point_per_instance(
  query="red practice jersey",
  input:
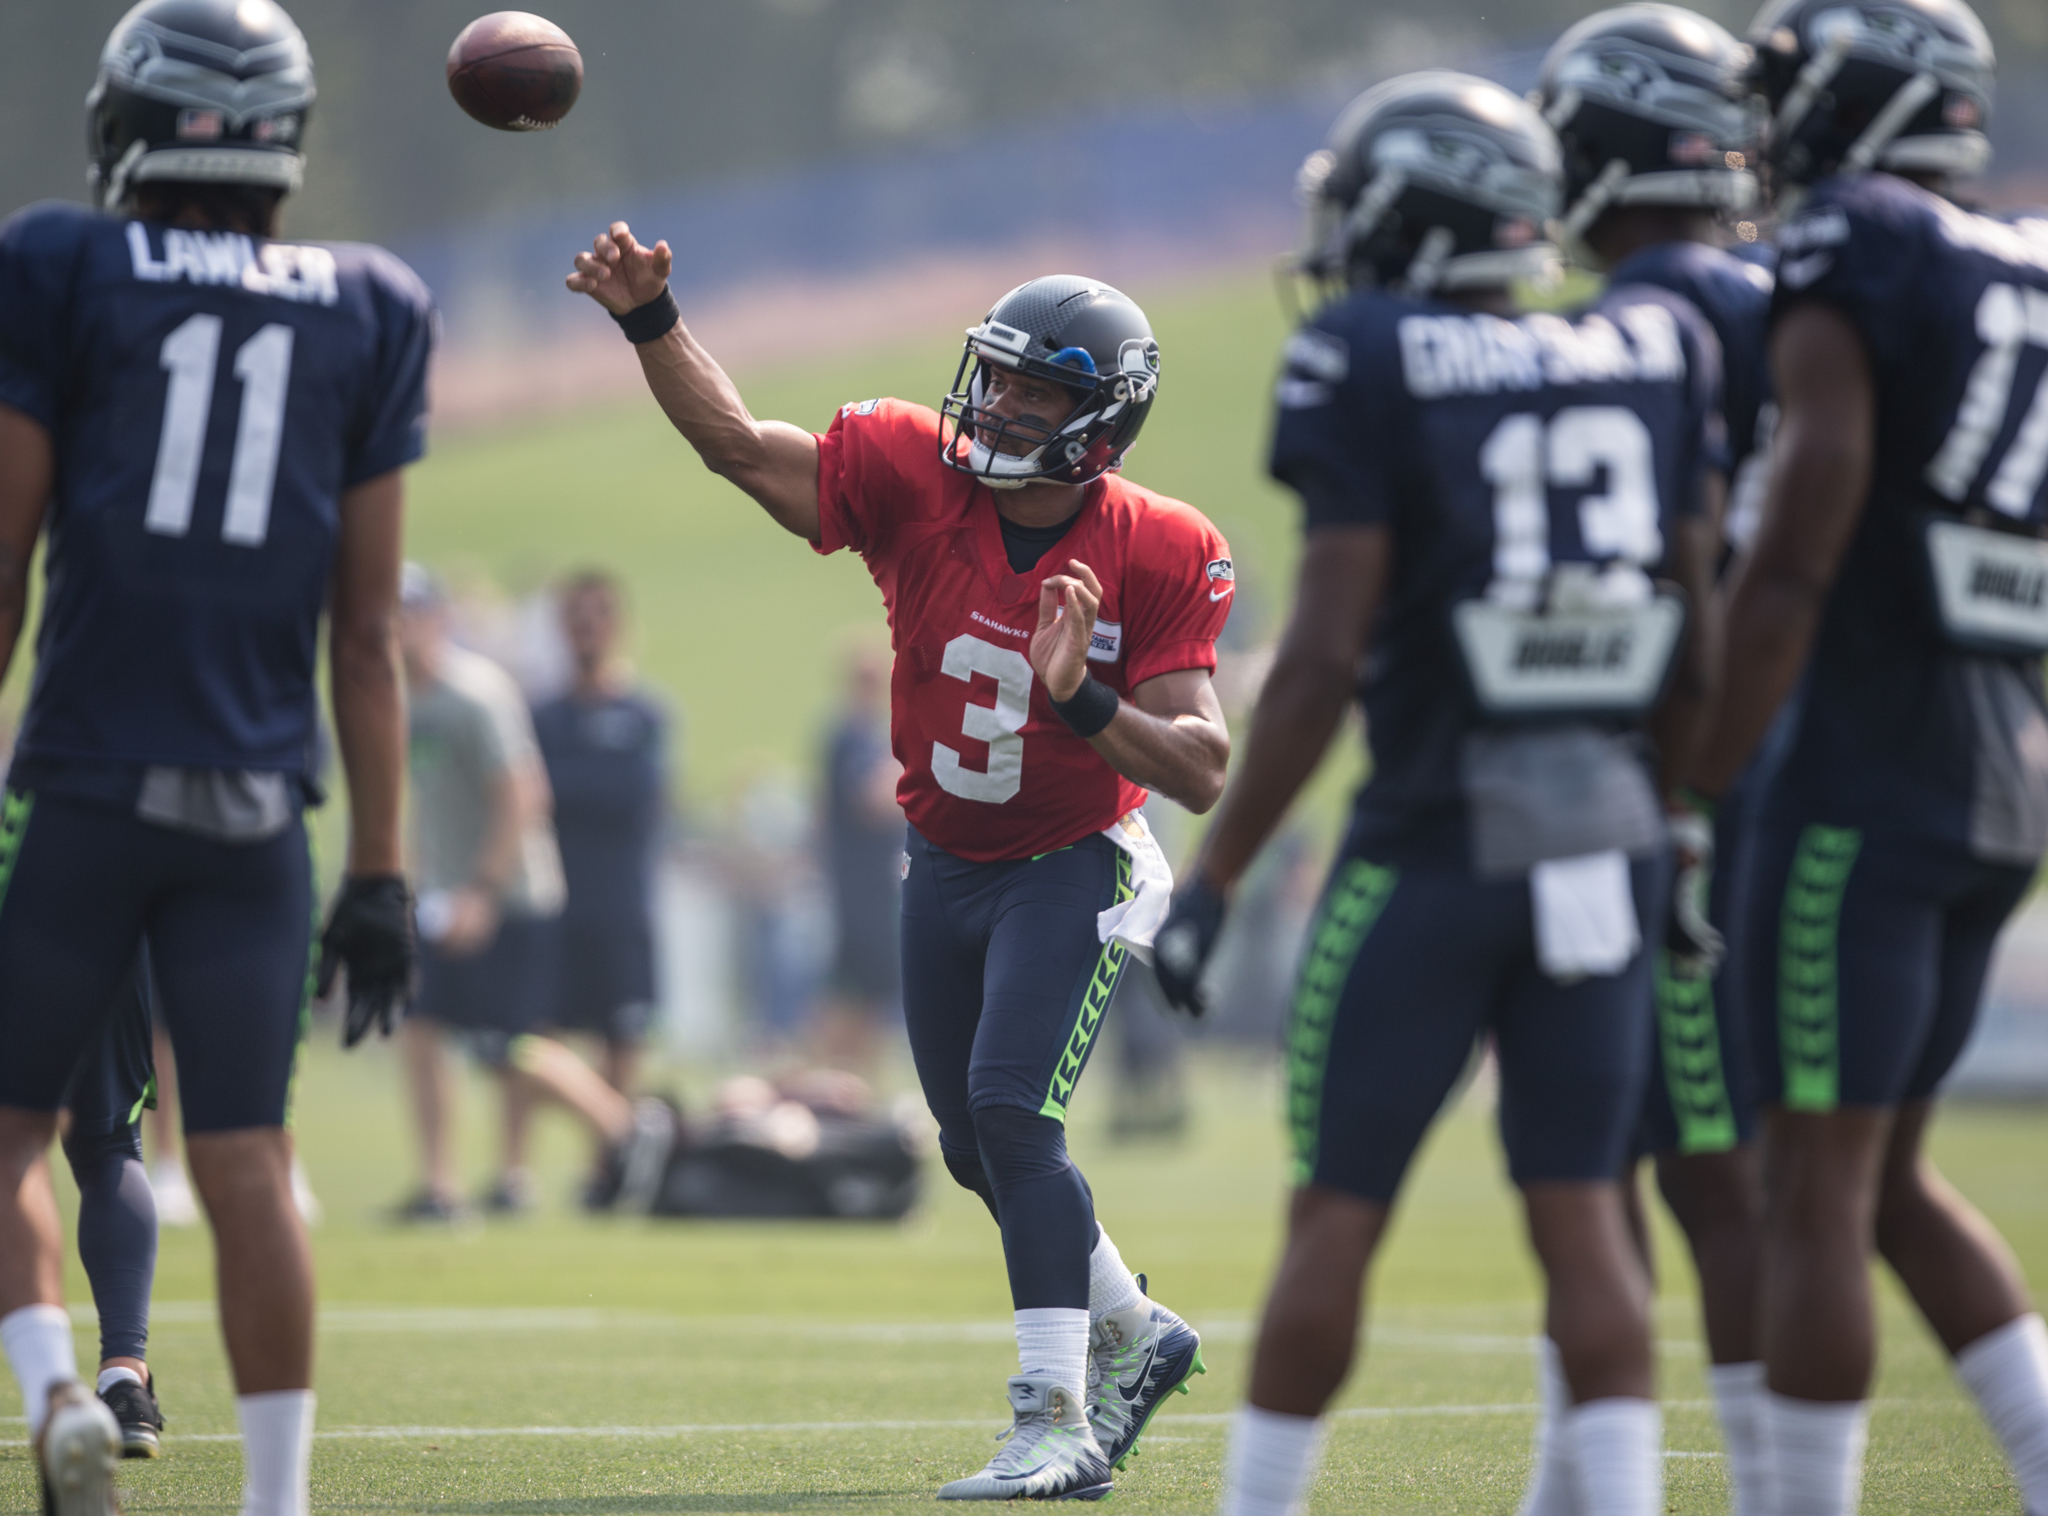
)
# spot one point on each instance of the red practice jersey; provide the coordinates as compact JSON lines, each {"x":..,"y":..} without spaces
{"x":989,"y":770}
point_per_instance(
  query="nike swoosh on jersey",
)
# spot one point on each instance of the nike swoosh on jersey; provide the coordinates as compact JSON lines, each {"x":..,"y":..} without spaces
{"x":1218,"y":594}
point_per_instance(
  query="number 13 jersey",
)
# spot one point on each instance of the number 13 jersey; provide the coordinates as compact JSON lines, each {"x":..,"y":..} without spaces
{"x":210,"y":396}
{"x":989,"y":770}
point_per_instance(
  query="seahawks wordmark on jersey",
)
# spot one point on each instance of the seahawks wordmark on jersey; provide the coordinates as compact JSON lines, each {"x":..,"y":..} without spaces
{"x":210,"y":397}
{"x":1530,"y":472}
{"x":1923,"y":711}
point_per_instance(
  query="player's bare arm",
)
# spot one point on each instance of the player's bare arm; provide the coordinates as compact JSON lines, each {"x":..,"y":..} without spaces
{"x":1338,"y":592}
{"x":369,"y":695}
{"x":1820,"y":474}
{"x":773,"y":461}
{"x":1680,"y":721}
{"x":27,"y":472}
{"x":1169,"y":736}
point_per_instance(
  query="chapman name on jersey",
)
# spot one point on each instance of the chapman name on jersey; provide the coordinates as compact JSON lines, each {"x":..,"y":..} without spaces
{"x":210,"y":397}
{"x":989,"y":770}
{"x":1904,"y":724}
{"x":1517,"y":463}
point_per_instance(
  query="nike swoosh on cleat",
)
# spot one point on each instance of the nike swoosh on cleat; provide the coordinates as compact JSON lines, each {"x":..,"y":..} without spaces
{"x":1027,"y":1474}
{"x":1144,"y":1374}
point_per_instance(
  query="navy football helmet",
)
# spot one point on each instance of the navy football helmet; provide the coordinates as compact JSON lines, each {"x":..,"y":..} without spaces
{"x":199,"y":92}
{"x":1078,"y":333}
{"x":1434,"y":180}
{"x":1650,"y":106}
{"x":1861,"y":84}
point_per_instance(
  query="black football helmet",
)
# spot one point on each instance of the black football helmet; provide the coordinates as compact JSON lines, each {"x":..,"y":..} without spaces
{"x":199,"y":92}
{"x":1862,"y":84}
{"x":1650,"y":105}
{"x":1078,"y":333}
{"x":1434,"y":180}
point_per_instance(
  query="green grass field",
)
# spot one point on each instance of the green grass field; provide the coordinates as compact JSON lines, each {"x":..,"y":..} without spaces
{"x":564,"y":1364}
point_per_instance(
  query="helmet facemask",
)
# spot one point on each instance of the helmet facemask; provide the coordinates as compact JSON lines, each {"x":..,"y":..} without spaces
{"x":1090,"y":440}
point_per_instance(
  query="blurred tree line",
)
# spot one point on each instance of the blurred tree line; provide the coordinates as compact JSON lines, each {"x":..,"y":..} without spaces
{"x":689,"y":89}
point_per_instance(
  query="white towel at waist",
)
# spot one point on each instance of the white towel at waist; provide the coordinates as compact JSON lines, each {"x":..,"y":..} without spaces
{"x":1137,"y":921}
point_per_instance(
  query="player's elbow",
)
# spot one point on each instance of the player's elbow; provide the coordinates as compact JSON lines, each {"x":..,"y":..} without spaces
{"x":1202,"y":785}
{"x":363,"y":652}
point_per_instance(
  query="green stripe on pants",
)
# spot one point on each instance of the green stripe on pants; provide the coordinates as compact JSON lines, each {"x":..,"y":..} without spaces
{"x":1809,"y":966}
{"x":1690,"y":1043}
{"x":14,"y":812}
{"x":1357,"y":896}
{"x":1109,"y":967}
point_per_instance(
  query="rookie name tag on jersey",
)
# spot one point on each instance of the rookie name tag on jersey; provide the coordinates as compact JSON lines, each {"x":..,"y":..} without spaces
{"x":1605,"y":661}
{"x":1990,"y":587}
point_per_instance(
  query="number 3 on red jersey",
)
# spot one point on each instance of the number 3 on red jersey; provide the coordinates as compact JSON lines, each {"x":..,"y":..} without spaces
{"x":1000,"y":725}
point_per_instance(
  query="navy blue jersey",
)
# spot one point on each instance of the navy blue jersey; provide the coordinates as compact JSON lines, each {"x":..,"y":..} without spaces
{"x":1734,"y":294}
{"x":608,"y":763}
{"x":210,"y":396}
{"x":1502,"y":455}
{"x":1896,"y":728}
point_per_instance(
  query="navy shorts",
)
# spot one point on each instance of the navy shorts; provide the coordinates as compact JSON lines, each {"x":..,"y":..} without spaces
{"x":494,"y":995}
{"x":1005,"y":982}
{"x":1404,"y":970}
{"x":604,"y":976}
{"x":117,"y":1081}
{"x":1701,"y":1097}
{"x":230,"y":936}
{"x":1864,"y":961}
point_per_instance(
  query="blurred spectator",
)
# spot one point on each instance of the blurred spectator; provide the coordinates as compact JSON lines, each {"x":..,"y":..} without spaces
{"x":781,"y":925}
{"x":863,"y":858}
{"x":605,"y":743}
{"x":490,"y":882}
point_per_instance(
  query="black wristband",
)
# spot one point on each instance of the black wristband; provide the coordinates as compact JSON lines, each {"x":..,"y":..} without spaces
{"x":1092,"y":707}
{"x":649,"y":322}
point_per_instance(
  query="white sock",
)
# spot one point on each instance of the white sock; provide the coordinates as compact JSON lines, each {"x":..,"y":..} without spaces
{"x":1052,"y":1341}
{"x":111,"y":1377}
{"x":2007,"y":1371}
{"x":1111,"y":1286}
{"x":1550,"y":1478}
{"x":1739,"y":1401}
{"x":1813,"y":1454}
{"x":277,"y":1448}
{"x":1616,"y":1447}
{"x":1270,"y":1463}
{"x":38,"y":1343}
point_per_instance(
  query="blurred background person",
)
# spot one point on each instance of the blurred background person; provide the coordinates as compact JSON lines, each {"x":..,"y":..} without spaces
{"x":490,"y":883}
{"x":863,"y":858}
{"x":605,"y":742}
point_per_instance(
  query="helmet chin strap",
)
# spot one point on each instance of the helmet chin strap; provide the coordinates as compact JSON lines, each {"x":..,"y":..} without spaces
{"x":1818,"y":74}
{"x":114,"y":189}
{"x":1571,"y":232}
{"x":1426,"y":269}
{"x":1903,"y":106}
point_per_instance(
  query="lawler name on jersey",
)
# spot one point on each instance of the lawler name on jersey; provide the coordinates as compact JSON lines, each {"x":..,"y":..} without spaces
{"x":282,"y":270}
{"x":211,"y":397}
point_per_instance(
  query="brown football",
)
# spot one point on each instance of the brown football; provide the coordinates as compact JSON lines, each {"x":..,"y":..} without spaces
{"x":515,"y":71}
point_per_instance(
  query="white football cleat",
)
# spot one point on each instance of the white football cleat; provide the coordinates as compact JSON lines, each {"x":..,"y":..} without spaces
{"x":176,"y":1205}
{"x":80,"y":1449}
{"x":1136,"y":1358}
{"x":1050,"y":1452}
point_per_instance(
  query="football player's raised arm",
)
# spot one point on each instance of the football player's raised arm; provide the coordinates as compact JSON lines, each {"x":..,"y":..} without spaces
{"x":1342,"y":581}
{"x":28,"y":471}
{"x":773,"y":461}
{"x":1820,"y":474}
{"x":369,"y":699}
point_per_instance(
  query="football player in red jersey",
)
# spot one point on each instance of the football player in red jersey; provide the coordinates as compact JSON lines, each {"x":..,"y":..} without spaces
{"x":1037,"y":695}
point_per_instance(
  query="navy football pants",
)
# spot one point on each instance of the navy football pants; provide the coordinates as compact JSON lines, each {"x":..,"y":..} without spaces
{"x":1005,"y":985}
{"x":230,"y":932}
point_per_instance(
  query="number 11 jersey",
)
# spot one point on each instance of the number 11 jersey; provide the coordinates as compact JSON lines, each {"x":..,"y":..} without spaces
{"x":989,"y":770}
{"x":210,"y":396}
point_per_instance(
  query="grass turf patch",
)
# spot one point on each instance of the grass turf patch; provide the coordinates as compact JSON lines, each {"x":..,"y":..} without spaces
{"x":561,"y":1364}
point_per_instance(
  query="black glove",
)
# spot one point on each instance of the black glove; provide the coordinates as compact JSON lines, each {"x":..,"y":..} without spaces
{"x":371,"y":931}
{"x":1181,"y":950}
{"x":1692,"y":944}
